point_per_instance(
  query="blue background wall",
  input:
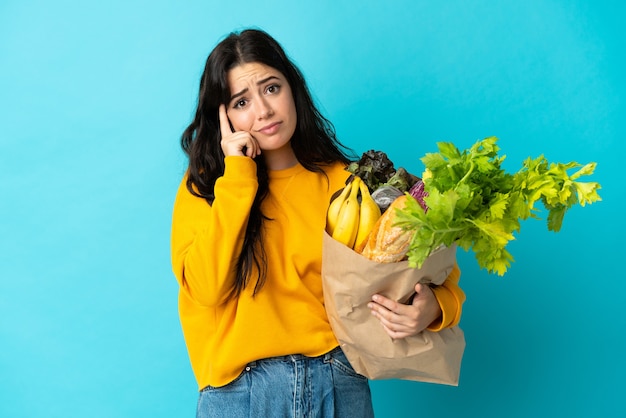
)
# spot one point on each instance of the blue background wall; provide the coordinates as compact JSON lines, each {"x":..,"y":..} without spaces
{"x":94,"y":96}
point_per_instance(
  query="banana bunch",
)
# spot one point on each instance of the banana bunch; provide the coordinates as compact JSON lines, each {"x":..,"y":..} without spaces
{"x":352,"y":214}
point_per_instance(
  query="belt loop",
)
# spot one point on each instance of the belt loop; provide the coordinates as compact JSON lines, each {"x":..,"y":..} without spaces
{"x":328,"y":357}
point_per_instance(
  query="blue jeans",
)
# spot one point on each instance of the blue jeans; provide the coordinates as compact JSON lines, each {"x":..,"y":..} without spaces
{"x":291,"y":386}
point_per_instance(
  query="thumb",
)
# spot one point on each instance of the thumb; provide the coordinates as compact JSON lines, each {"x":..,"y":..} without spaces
{"x":420,"y":291}
{"x":419,"y":288}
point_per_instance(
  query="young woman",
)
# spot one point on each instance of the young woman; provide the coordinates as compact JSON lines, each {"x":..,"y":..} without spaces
{"x":247,"y":245}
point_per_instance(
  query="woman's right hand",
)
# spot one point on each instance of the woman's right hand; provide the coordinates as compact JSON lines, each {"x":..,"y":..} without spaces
{"x":236,"y":143}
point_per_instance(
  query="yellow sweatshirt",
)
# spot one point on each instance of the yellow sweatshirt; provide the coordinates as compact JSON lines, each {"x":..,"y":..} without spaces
{"x":287,"y":316}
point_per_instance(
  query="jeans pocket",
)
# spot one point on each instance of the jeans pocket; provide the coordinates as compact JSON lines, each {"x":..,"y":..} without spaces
{"x":340,"y":363}
{"x":230,"y":400}
{"x":232,"y":385}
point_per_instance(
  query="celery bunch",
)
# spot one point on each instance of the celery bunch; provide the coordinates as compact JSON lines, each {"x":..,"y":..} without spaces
{"x":472,"y":201}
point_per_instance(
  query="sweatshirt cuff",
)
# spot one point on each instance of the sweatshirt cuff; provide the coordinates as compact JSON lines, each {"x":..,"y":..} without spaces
{"x":449,"y":306}
{"x":238,"y":167}
{"x":450,"y":298}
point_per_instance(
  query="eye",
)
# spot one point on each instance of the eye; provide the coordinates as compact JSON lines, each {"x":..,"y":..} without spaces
{"x":272,"y":89}
{"x":239,"y":103}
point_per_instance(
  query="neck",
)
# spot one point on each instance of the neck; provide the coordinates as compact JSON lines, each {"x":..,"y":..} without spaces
{"x":280,"y":159}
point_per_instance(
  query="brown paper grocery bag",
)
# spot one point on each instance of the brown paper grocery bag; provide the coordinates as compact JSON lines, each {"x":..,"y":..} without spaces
{"x":350,"y":280}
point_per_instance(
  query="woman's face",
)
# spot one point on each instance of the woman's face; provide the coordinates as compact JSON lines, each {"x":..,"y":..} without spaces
{"x":261,"y":103}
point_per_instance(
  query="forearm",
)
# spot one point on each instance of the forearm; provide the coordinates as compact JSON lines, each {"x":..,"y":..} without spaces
{"x":207,"y":240}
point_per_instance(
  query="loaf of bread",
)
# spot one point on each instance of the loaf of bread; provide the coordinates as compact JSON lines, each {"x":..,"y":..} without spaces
{"x":387,"y":243}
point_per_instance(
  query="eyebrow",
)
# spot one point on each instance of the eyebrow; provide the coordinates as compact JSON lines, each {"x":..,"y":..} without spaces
{"x":244,"y":91}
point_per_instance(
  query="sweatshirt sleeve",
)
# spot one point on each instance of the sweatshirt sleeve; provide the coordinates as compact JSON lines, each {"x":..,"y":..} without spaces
{"x":450,"y":297}
{"x":206,"y":240}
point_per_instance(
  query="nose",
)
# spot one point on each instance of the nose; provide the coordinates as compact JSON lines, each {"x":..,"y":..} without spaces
{"x":265,"y":109}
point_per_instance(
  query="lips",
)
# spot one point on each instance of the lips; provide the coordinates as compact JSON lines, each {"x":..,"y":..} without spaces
{"x":270,"y":129}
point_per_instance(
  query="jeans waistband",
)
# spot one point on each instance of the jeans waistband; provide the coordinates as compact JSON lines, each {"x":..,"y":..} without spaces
{"x":298,"y":357}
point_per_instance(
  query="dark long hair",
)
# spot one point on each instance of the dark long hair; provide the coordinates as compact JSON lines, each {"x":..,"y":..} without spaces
{"x":314,"y":141}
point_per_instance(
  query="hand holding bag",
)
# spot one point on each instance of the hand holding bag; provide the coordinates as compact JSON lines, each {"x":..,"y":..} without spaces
{"x":350,"y":280}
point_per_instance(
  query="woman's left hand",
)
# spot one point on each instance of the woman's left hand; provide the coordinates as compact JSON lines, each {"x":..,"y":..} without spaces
{"x":400,"y":320}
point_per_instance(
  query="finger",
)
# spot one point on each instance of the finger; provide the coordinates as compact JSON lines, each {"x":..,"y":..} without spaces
{"x":384,"y":314}
{"x":240,"y":143}
{"x":396,"y":335}
{"x":390,"y":304}
{"x":396,"y":331}
{"x":390,"y":323}
{"x":225,"y":128}
{"x":400,"y":329}
{"x":251,"y":148}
